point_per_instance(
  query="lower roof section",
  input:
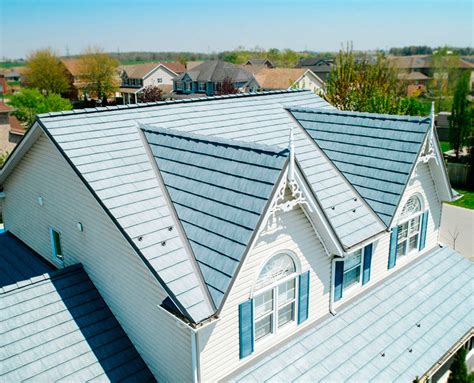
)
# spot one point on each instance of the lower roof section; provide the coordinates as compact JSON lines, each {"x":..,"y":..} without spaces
{"x":56,"y":326}
{"x":396,"y":332}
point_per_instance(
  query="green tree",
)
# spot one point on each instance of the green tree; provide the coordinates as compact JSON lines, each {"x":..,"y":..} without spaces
{"x":460,"y":119}
{"x":459,"y":373}
{"x":364,"y":85}
{"x":444,"y":76}
{"x":30,"y":102}
{"x":99,"y":72}
{"x":45,"y":72}
{"x":3,"y":157}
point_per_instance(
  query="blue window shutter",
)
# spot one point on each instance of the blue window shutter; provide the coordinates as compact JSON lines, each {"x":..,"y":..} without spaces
{"x":368,"y":250}
{"x":424,"y":225}
{"x":392,"y":255}
{"x":51,"y":237}
{"x":338,"y":276}
{"x":303,"y":297}
{"x":246,"y":328}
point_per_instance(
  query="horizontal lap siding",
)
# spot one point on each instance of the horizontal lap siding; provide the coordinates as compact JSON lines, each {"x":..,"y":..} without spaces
{"x":220,"y":344}
{"x":119,"y":274}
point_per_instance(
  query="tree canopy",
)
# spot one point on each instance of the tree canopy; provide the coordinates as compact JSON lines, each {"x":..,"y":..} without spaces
{"x":45,"y":72}
{"x":30,"y":102}
{"x":150,"y":93}
{"x":98,"y":73}
{"x":365,"y":85}
{"x":461,"y":115}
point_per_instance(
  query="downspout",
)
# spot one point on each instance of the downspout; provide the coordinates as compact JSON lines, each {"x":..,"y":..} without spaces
{"x":194,"y":353}
{"x":331,"y":287}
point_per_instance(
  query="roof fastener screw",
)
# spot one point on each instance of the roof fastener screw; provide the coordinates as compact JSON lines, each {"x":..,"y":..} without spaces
{"x":418,"y":325}
{"x":355,"y":198}
{"x":354,"y":210}
{"x":163,"y":243}
{"x":382,"y":354}
{"x":333,"y":208}
{"x":140,"y":238}
{"x":410,"y":350}
{"x":170,"y":228}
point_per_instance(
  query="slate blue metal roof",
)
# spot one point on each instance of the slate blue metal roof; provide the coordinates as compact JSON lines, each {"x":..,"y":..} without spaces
{"x":219,"y":189}
{"x":104,"y":147}
{"x":425,"y":308}
{"x":17,"y":262}
{"x":375,"y":152}
{"x":56,"y":326}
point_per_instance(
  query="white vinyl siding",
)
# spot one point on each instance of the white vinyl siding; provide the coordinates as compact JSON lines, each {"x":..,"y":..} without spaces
{"x":159,"y":77}
{"x":121,"y":277}
{"x":220,"y":342}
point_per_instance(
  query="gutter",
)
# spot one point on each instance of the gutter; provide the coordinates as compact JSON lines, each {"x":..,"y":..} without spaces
{"x":332,"y":310}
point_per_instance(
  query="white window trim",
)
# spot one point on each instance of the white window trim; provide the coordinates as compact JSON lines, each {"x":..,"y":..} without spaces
{"x":402,"y":221}
{"x":58,"y":261}
{"x":275,"y":330}
{"x":287,"y":328}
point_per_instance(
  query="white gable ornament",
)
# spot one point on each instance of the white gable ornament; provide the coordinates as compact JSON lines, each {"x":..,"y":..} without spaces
{"x":428,"y":151}
{"x":279,"y":203}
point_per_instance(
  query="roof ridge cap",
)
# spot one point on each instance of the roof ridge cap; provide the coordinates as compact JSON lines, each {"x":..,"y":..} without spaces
{"x":157,"y":103}
{"x":350,"y":113}
{"x":40,"y":278}
{"x":215,"y":140}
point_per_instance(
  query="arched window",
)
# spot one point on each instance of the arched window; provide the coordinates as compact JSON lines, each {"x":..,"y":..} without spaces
{"x":275,"y":295}
{"x":409,"y":227}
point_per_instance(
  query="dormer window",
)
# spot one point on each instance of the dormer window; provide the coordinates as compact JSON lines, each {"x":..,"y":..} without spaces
{"x":409,"y":230}
{"x":275,"y":297}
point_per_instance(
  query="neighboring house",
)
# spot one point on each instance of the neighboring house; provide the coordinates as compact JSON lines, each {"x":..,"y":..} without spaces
{"x":13,"y":76}
{"x":3,"y":87}
{"x":289,"y":78}
{"x":11,"y":131}
{"x":208,"y":77}
{"x":138,"y":76}
{"x":319,"y":66}
{"x":73,"y":71}
{"x":424,"y":64}
{"x":250,"y":237}
{"x":415,"y":82}
{"x":260,"y":62}
{"x":190,"y":65}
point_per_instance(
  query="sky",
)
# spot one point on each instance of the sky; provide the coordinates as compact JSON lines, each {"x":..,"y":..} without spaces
{"x":70,"y":26}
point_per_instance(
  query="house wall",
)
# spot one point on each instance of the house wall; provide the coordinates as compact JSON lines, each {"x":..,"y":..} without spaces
{"x":308,"y":82}
{"x":152,"y":79}
{"x":422,"y":183}
{"x":123,"y":280}
{"x":219,"y":344}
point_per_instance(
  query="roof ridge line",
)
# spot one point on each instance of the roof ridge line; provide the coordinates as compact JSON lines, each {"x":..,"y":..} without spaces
{"x":40,"y":278}
{"x":215,"y":140}
{"x":167,"y":102}
{"x":374,"y":116}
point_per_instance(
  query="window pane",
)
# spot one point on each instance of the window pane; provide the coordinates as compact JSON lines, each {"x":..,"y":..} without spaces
{"x":263,"y":327}
{"x":263,"y":304}
{"x":413,"y":242}
{"x":57,"y":245}
{"x":402,"y":231}
{"x":286,"y":292}
{"x":353,"y":260}
{"x":401,"y":248}
{"x":414,"y":225}
{"x":286,"y":314}
{"x":351,"y":277}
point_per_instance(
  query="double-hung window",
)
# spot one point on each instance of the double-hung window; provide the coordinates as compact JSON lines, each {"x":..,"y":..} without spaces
{"x":202,"y":87}
{"x":275,"y":296}
{"x":352,"y":269}
{"x":409,"y":231}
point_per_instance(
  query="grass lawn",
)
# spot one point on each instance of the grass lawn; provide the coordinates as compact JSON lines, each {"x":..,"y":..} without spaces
{"x":11,"y":64}
{"x":466,"y":201}
{"x":444,"y":146}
